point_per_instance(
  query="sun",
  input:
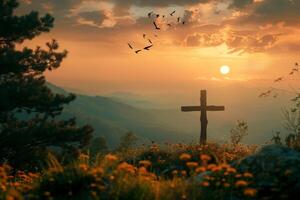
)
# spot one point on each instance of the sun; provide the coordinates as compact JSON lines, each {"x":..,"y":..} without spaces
{"x":225,"y":69}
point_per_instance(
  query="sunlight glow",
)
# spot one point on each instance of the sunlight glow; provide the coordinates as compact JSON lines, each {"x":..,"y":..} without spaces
{"x":225,"y":69}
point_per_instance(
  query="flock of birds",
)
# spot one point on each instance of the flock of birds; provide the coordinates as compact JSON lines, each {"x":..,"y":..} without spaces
{"x":272,"y":91}
{"x":155,"y":16}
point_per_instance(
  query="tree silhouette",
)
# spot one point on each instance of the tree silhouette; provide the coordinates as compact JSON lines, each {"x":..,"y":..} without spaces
{"x":28,"y":108}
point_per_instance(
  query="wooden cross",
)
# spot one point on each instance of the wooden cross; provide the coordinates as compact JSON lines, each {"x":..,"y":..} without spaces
{"x":203,"y":117}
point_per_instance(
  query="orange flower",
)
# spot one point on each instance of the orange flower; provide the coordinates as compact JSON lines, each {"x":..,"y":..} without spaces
{"x":241,"y":183}
{"x":226,"y":185}
{"x":142,"y":170}
{"x":205,"y":184}
{"x":231,"y":170}
{"x":185,"y":156}
{"x":200,"y":169}
{"x":124,"y":166}
{"x":145,"y":163}
{"x":192,"y":164}
{"x":248,"y":175}
{"x":205,"y":157}
{"x":111,"y":157}
{"x":83,"y":167}
{"x":250,"y":192}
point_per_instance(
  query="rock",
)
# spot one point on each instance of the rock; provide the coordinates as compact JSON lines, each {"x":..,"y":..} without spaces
{"x":276,"y":170}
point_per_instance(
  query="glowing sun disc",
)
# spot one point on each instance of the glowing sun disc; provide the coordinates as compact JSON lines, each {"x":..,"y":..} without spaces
{"x":225,"y":69}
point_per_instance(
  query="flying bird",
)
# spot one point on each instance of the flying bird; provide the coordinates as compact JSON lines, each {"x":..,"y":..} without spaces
{"x":172,"y":13}
{"x":278,"y":79}
{"x":130,"y":46}
{"x":156,"y":27}
{"x":137,"y":51}
{"x":148,"y":47}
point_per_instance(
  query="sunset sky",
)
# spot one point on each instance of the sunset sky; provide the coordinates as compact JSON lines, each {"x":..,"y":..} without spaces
{"x":258,"y":39}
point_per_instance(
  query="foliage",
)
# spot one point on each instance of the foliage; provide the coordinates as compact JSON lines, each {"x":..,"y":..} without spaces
{"x":196,"y":173}
{"x":28,"y":108}
{"x":127,"y":142}
{"x":239,"y":132}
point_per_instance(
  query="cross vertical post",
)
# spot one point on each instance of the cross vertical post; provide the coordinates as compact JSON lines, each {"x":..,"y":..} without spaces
{"x":203,"y":108}
{"x":203,"y":117}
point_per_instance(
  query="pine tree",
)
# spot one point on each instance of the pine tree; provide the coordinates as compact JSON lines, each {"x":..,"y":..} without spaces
{"x":25,"y":141}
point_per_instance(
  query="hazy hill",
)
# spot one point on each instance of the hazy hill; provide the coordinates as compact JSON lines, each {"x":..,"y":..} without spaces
{"x":113,"y":116}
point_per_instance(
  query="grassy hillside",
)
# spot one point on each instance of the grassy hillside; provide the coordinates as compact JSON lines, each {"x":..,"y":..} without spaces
{"x":171,"y":172}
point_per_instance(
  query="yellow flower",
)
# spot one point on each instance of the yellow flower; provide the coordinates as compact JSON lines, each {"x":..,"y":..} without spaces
{"x":145,"y":163}
{"x":192,"y":164}
{"x":250,"y":192}
{"x":205,"y":157}
{"x":111,"y":157}
{"x":241,"y":183}
{"x":185,"y":156}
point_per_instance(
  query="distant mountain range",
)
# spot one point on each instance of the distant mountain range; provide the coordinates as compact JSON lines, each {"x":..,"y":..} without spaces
{"x":119,"y":113}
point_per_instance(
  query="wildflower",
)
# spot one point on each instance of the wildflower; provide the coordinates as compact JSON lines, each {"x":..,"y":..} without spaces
{"x":205,"y":184}
{"x":231,"y":170}
{"x":238,"y":175}
{"x":192,"y":164}
{"x":83,"y":167}
{"x":210,"y":166}
{"x":250,"y":192}
{"x":183,"y":173}
{"x":124,"y":166}
{"x":241,"y":183}
{"x":226,"y":185}
{"x":224,"y":166}
{"x":205,"y":157}
{"x":216,"y":169}
{"x":111,"y":157}
{"x":248,"y":175}
{"x":185,"y":156}
{"x":142,"y":170}
{"x":200,"y":169}
{"x":145,"y":163}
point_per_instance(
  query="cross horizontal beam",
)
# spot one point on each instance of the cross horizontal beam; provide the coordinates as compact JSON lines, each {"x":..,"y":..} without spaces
{"x":199,"y":108}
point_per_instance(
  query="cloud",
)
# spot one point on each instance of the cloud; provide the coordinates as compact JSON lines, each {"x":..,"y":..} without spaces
{"x":204,"y":40}
{"x":269,"y":11}
{"x":238,"y":4}
{"x":95,"y":17}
